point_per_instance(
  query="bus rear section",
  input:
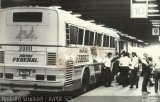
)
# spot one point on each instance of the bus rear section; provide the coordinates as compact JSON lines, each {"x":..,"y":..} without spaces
{"x":28,"y":51}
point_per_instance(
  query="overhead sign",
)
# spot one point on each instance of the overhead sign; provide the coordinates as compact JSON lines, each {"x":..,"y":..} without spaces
{"x":139,"y":10}
{"x":155,"y":31}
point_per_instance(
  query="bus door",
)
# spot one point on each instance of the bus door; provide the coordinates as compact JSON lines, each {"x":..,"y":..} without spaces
{"x":96,"y":63}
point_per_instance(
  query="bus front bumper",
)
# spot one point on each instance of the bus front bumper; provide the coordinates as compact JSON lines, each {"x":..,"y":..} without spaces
{"x":32,"y":85}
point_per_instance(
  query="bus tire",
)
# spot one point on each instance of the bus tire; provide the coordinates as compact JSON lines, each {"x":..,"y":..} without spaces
{"x":85,"y":82}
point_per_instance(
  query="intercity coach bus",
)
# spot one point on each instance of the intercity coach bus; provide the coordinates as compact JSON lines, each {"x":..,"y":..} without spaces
{"x":49,"y":49}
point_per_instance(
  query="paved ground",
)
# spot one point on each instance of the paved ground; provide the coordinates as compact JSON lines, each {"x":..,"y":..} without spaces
{"x":119,"y":94}
{"x":116,"y":94}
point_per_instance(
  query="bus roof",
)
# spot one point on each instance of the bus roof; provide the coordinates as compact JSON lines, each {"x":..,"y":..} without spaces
{"x":74,"y":20}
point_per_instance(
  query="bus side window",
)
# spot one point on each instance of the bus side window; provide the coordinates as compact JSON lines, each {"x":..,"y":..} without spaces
{"x":67,"y":34}
{"x":107,"y":42}
{"x":80,"y":36}
{"x":95,"y":39}
{"x":86,"y":37}
{"x":99,"y":39}
{"x":73,"y":34}
{"x":91,"y":38}
{"x":104,"y":41}
{"x":112,"y":42}
{"x":133,"y":44}
{"x":116,"y":44}
{"x":121,"y":45}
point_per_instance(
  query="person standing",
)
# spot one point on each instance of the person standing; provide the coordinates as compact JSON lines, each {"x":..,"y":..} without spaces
{"x":115,"y":67}
{"x":134,"y":70}
{"x":151,"y":65}
{"x":157,"y":74}
{"x":125,"y":62}
{"x":119,"y":74}
{"x":107,"y":70}
{"x":145,"y":73}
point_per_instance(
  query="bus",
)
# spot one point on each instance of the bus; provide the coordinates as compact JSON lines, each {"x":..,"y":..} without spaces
{"x":49,"y":49}
{"x":131,"y":44}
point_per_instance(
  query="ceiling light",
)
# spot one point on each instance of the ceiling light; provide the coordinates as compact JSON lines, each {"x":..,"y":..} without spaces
{"x":155,"y":20}
{"x":140,"y":0}
{"x":156,"y":25}
{"x":131,"y":37}
{"x":146,"y":43}
{"x":77,"y":15}
{"x":91,"y":21}
{"x":144,"y":0}
{"x":69,"y":11}
{"x":140,"y":40}
{"x":58,"y":7}
{"x":153,"y":11}
{"x":102,"y":25}
{"x":153,"y":5}
{"x":153,"y":14}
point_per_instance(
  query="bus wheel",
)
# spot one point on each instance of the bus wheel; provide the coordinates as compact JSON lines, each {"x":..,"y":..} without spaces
{"x":85,"y":82}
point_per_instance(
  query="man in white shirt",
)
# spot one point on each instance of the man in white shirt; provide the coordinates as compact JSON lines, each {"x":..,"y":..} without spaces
{"x":124,"y":63}
{"x":157,"y":74}
{"x":119,"y":77}
{"x":134,"y":70}
{"x":107,"y":70}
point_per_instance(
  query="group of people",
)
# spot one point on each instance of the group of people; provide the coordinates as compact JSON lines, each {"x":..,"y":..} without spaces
{"x":126,"y":69}
{"x":150,"y":68}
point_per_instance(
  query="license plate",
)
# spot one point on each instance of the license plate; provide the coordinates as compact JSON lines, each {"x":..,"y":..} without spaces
{"x":24,"y":72}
